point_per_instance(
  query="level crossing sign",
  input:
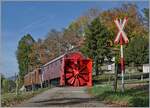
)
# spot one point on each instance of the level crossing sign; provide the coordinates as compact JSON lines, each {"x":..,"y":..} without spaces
{"x":121,"y":34}
{"x":122,"y":37}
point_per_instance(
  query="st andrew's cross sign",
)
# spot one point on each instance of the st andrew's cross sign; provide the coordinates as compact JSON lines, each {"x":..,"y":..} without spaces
{"x":121,"y":34}
{"x":122,"y":37}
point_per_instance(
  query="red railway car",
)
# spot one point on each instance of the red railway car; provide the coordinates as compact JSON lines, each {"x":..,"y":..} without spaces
{"x":71,"y":69}
{"x":33,"y":78}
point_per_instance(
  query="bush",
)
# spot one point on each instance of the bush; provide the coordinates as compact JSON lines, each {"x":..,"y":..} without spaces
{"x":10,"y":99}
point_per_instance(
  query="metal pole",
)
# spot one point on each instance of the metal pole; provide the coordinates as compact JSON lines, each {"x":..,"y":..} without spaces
{"x":42,"y":72}
{"x":122,"y":67}
{"x":122,"y":59}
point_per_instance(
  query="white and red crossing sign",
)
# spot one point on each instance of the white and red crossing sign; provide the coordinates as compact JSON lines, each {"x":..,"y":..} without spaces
{"x":121,"y":34}
{"x":122,"y":37}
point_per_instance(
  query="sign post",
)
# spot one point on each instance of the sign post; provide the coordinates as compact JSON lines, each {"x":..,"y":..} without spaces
{"x":122,"y":37}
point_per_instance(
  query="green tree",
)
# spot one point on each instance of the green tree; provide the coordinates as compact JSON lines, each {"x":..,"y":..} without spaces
{"x":137,"y":51}
{"x":23,"y":51}
{"x":2,"y":79}
{"x":146,"y":16}
{"x":96,"y":47}
{"x":5,"y":85}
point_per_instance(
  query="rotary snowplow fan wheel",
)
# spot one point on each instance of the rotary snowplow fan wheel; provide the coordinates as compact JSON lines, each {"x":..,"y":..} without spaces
{"x":76,"y":73}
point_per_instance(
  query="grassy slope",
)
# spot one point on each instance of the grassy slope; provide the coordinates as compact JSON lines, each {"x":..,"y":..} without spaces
{"x":137,"y":96}
{"x":10,"y":99}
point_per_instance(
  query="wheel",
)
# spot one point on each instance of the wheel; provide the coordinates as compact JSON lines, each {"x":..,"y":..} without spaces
{"x":76,"y":72}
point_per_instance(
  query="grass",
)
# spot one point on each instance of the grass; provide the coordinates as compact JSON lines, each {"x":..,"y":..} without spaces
{"x":11,"y":99}
{"x":133,"y":97}
{"x":110,"y":77}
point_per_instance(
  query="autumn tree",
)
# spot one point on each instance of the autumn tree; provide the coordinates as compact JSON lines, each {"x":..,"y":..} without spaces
{"x":59,"y":42}
{"x":39,"y":54}
{"x":70,"y":39}
{"x":77,"y":28}
{"x":52,"y":44}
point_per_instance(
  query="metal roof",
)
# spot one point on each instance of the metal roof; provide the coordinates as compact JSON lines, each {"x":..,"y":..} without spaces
{"x":53,"y":60}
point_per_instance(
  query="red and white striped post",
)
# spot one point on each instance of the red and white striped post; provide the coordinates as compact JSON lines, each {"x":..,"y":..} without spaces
{"x":122,"y":37}
{"x":122,"y":62}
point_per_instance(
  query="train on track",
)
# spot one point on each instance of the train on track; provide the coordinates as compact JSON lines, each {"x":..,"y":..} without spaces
{"x":71,"y":69}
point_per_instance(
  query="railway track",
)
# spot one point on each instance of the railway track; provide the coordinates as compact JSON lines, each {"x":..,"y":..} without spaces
{"x":63,"y":97}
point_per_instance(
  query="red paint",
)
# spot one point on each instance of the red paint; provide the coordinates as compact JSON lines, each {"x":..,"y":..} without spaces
{"x":78,"y":72}
{"x":90,"y":73}
{"x":122,"y":62}
{"x":122,"y":41}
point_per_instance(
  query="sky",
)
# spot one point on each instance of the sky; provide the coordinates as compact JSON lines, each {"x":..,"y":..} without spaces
{"x":37,"y":18}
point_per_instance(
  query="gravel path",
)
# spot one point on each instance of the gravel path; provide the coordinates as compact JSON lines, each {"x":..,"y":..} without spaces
{"x":63,"y":97}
